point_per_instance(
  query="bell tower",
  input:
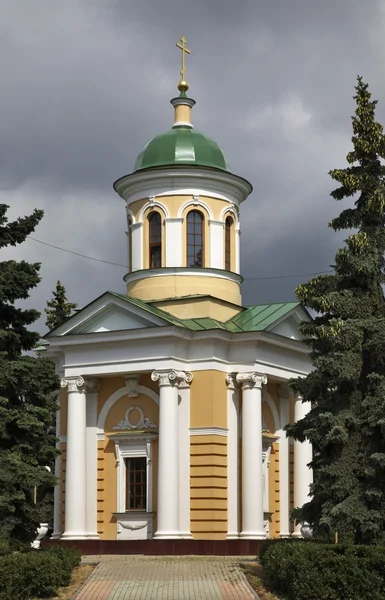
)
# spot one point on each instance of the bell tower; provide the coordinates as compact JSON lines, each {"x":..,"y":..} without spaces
{"x":183,"y":230}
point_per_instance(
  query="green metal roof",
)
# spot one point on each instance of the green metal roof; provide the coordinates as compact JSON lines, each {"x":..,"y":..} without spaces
{"x":251,"y":318}
{"x":260,"y":317}
{"x":181,"y":146}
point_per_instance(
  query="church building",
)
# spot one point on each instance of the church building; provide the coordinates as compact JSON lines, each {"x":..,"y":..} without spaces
{"x":174,"y":395}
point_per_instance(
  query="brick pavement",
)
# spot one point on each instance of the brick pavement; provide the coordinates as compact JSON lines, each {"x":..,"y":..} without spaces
{"x":166,"y":578}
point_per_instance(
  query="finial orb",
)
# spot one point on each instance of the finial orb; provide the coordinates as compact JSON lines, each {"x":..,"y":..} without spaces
{"x":183,"y":86}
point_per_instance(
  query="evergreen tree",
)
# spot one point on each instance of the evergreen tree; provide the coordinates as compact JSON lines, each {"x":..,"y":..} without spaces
{"x":28,"y":388}
{"x":58,"y":309}
{"x":346,"y":423}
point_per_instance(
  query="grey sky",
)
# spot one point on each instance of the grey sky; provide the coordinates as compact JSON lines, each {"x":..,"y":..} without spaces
{"x":86,"y":83}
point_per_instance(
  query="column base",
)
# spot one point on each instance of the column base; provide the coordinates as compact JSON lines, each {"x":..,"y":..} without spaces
{"x":284,"y":536}
{"x":186,"y":535}
{"x":253,"y":535}
{"x":232,"y":535}
{"x":74,"y":535}
{"x":167,"y":535}
{"x":56,"y":535}
{"x":296,"y":534}
{"x":93,"y":536}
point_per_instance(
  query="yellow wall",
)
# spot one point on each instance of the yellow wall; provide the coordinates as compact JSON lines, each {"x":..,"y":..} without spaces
{"x":208,"y":473}
{"x":173,"y":286}
{"x":274,"y":503}
{"x":195,"y":308}
{"x":174,"y":202}
{"x":208,"y":399}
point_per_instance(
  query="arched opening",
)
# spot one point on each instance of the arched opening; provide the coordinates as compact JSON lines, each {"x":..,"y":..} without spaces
{"x":229,"y":226}
{"x":129,"y":242}
{"x":195,"y":247}
{"x":155,"y":240}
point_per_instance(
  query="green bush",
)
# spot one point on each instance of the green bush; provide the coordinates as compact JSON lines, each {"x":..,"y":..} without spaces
{"x":37,"y":573}
{"x":314,"y":571}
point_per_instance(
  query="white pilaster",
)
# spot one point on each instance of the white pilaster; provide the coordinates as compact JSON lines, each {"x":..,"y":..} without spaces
{"x":284,"y":462}
{"x":232,"y":458}
{"x":92,"y":388}
{"x":237,"y":249}
{"x":75,"y":488}
{"x":57,"y":492}
{"x":168,"y":458}
{"x":252,"y":469}
{"x":303,"y":475}
{"x":174,"y":242}
{"x":137,"y":246}
{"x":184,"y":459}
{"x":217,"y":257}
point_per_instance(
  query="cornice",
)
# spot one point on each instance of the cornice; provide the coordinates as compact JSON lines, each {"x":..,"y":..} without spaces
{"x":145,"y":183}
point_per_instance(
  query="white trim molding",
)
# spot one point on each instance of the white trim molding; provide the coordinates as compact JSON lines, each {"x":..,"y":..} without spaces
{"x":152,"y":203}
{"x":195,"y":203}
{"x":182,"y":272}
{"x":209,"y":431}
{"x":133,"y":446}
{"x":173,"y":181}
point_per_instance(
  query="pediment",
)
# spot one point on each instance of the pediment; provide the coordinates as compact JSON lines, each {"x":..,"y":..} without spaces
{"x":109,"y":313}
{"x":288,"y":325}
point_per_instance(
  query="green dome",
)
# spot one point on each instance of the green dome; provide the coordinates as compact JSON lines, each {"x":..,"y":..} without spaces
{"x":182,"y":145}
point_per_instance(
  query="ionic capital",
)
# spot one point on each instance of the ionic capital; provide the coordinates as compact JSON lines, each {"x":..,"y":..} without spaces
{"x":231,"y":381}
{"x":74,"y":384}
{"x":172,"y":377}
{"x":251,"y":379}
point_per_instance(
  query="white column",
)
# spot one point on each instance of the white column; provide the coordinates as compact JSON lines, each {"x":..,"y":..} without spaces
{"x":75,"y":488}
{"x":184,"y":459}
{"x":168,"y":459}
{"x":57,"y":492}
{"x":137,"y":246}
{"x":303,"y":475}
{"x":217,"y":244}
{"x":252,"y":473}
{"x":232,"y":459}
{"x":284,"y":462}
{"x":92,"y":388}
{"x":174,"y":244}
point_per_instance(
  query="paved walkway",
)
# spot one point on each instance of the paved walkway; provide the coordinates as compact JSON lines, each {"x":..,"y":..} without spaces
{"x":166,"y":578}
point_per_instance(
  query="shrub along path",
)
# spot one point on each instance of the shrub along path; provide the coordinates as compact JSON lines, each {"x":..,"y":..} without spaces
{"x":166,"y":578}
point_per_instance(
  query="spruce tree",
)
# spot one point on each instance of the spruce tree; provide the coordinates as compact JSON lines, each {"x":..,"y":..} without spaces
{"x":346,"y":389}
{"x":59,"y":308}
{"x":28,"y":389}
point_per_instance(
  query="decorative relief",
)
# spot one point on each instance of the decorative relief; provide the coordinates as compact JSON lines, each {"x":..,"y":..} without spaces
{"x":131,"y":526}
{"x":74,"y":384}
{"x":252,"y":379}
{"x":231,"y":381}
{"x":172,"y":377}
{"x":92,"y":385}
{"x":132,"y":385}
{"x":143,"y":423}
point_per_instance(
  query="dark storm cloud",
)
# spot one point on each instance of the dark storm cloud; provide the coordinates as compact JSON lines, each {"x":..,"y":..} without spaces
{"x":86,"y":83}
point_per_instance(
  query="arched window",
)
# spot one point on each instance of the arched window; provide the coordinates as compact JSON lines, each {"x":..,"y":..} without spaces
{"x":155,"y":239}
{"x":129,"y":241}
{"x":194,"y":239}
{"x":228,"y":232}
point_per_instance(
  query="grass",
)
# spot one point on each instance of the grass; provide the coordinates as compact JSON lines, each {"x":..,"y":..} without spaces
{"x":254,"y":576}
{"x":79,"y":576}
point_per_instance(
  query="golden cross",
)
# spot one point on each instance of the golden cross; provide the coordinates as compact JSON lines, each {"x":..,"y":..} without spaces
{"x":185,"y":51}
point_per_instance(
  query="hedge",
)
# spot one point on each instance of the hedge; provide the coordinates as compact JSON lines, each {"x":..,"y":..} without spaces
{"x":313,"y":571}
{"x":37,"y":573}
